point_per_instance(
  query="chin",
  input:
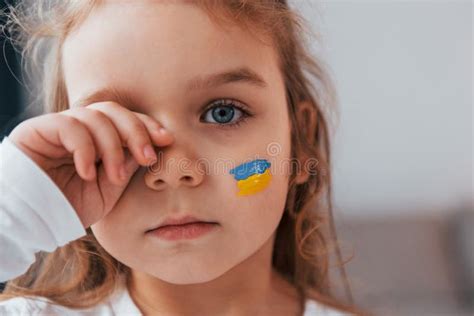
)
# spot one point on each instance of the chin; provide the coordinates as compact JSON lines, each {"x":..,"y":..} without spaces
{"x":186,"y":276}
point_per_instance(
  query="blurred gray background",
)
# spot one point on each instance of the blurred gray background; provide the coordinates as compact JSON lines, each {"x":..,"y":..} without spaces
{"x":403,"y":150}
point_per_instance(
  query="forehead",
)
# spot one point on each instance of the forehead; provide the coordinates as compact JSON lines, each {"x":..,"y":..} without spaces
{"x":156,"y":46}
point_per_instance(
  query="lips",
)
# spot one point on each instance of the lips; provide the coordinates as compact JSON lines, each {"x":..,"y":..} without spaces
{"x":180,"y":221}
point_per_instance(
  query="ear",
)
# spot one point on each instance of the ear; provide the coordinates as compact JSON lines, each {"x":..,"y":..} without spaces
{"x":306,"y":124}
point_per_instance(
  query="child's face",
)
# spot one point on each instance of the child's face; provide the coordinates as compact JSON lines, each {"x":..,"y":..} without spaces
{"x":152,"y":51}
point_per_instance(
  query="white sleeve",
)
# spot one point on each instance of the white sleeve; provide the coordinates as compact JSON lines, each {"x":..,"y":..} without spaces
{"x":34,"y":214}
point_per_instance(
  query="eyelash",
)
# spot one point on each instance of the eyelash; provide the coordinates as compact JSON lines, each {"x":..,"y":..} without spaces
{"x":229,"y":102}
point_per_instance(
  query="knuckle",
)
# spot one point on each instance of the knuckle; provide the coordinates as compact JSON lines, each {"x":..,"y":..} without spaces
{"x":135,"y":122}
{"x":97,"y":115}
{"x":137,"y":128}
{"x":70,"y":120}
{"x":149,"y":121}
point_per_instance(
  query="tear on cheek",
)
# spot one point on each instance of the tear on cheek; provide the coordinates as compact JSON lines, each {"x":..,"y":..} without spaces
{"x":252,"y":177}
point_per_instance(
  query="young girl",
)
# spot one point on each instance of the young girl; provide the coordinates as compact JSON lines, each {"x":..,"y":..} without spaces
{"x":180,"y":167}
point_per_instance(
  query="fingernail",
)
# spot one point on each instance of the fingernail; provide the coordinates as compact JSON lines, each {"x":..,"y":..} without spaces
{"x":149,"y":152}
{"x":162,"y":130}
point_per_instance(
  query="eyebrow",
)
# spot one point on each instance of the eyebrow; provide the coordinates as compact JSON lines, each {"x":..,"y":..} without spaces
{"x":243,"y":74}
{"x":105,"y":94}
{"x":239,"y":75}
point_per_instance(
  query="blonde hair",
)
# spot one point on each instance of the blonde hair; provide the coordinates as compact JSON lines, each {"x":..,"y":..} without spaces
{"x":81,"y":273}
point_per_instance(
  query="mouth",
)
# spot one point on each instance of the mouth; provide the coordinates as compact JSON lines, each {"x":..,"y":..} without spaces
{"x":188,"y":227}
{"x":179,"y":222}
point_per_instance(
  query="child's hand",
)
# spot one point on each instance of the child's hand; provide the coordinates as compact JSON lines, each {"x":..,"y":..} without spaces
{"x":67,"y":145}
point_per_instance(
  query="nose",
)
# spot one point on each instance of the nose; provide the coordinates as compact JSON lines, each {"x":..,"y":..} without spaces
{"x":173,"y":169}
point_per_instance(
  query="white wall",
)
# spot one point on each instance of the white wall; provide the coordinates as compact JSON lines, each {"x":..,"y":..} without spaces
{"x":403,"y":70}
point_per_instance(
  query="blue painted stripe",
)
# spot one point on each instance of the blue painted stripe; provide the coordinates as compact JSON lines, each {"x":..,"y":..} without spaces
{"x":247,"y":169}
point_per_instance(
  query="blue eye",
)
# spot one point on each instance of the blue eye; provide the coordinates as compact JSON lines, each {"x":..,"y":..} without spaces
{"x":225,"y":113}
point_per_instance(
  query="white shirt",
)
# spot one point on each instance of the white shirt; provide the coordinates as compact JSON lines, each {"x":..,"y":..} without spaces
{"x":35,"y":215}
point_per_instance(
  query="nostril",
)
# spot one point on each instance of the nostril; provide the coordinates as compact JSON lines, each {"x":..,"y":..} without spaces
{"x":187,"y":178}
{"x":159,"y":182}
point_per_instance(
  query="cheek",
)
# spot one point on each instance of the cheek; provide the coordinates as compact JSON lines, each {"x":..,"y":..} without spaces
{"x":258,"y":197}
{"x":255,"y":218}
{"x":114,"y":234}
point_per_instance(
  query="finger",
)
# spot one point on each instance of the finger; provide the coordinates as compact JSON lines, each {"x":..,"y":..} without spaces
{"x":160,"y":135}
{"x":131,"y":166}
{"x":72,"y":135}
{"x":132,"y":130}
{"x":106,"y":138}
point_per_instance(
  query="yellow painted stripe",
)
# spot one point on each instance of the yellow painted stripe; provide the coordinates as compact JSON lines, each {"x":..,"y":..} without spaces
{"x":255,"y":183}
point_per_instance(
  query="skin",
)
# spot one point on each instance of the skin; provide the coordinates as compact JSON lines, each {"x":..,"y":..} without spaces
{"x":226,"y":272}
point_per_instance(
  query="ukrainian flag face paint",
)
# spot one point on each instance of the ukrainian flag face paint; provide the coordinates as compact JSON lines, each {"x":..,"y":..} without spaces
{"x":252,"y":177}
